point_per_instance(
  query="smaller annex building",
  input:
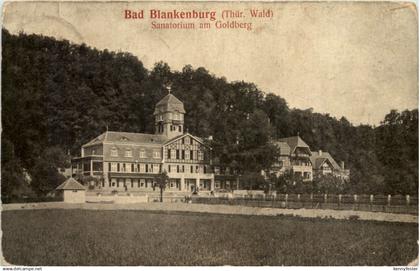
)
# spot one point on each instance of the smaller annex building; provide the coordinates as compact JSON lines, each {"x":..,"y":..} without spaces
{"x":72,"y":191}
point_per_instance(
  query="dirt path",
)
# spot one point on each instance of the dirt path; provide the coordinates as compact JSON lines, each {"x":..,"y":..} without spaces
{"x":223,"y":209}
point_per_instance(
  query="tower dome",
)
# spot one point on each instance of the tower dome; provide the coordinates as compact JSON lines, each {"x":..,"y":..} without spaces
{"x":169,"y":116}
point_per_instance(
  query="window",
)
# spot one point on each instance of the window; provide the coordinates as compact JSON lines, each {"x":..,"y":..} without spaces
{"x":179,"y":128}
{"x":200,"y":155}
{"x":142,"y":153}
{"x":114,"y":152}
{"x":177,"y":154}
{"x":114,"y":167}
{"x":182,"y":154}
{"x":169,"y":168}
{"x":187,"y":155}
{"x":169,"y":154}
{"x":192,"y":155}
{"x":187,"y":140}
{"x":128,"y":153}
{"x":123,"y":169}
{"x":97,"y":166}
{"x":182,"y":141}
{"x":142,"y":168}
{"x":177,"y":168}
{"x":156,"y":154}
{"x":173,"y":154}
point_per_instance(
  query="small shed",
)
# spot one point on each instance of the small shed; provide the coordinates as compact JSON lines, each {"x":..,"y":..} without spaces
{"x":72,"y":191}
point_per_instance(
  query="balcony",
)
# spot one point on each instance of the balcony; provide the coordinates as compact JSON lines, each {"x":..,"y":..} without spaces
{"x":302,"y":168}
{"x":189,"y":175}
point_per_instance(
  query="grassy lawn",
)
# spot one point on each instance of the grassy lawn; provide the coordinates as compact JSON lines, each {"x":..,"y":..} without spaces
{"x":90,"y":237}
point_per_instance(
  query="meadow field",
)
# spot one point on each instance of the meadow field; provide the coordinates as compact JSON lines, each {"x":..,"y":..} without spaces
{"x":106,"y":237}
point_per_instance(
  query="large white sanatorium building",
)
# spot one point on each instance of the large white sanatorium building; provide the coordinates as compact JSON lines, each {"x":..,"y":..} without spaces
{"x":129,"y":161}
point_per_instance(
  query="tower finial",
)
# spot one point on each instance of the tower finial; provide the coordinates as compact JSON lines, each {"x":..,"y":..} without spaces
{"x":168,"y":87}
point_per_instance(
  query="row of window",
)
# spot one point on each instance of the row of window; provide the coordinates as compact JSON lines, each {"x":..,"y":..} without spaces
{"x":155,"y":168}
{"x":132,"y":183}
{"x":131,"y":167}
{"x":129,"y":153}
{"x":174,"y":116}
{"x":184,"y":154}
{"x":188,"y":169}
{"x":175,"y":127}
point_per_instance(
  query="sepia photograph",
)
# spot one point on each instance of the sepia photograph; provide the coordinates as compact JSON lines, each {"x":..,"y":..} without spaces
{"x":212,"y":133}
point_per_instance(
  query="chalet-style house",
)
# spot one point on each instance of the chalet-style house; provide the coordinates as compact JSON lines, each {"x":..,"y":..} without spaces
{"x":129,"y":161}
{"x":297,"y":157}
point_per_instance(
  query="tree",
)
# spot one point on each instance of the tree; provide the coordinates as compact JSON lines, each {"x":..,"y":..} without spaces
{"x":328,"y":184}
{"x":14,"y":179}
{"x":252,"y":181}
{"x":59,"y":94}
{"x":89,"y":181}
{"x":45,"y":175}
{"x":161,"y":180}
{"x":45,"y":178}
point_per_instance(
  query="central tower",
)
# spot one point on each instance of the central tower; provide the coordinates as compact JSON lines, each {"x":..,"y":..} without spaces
{"x":169,"y":116}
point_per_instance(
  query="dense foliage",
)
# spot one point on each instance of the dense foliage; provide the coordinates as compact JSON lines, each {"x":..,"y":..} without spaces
{"x":60,"y":95}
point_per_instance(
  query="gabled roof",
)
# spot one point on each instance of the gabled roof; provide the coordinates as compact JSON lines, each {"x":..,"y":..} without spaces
{"x":283,"y":146}
{"x":318,"y":159}
{"x":169,"y":103}
{"x":96,"y":140}
{"x":294,"y":142}
{"x":70,"y":184}
{"x":184,"y":135}
{"x":120,"y":137}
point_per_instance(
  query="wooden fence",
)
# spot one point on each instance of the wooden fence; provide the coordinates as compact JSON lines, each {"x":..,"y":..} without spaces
{"x":374,"y":203}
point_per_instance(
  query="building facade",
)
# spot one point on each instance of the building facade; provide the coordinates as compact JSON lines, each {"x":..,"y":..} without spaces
{"x":297,"y":157}
{"x":123,"y":161}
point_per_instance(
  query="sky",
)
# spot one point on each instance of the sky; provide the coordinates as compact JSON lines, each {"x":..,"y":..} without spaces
{"x":355,"y":59}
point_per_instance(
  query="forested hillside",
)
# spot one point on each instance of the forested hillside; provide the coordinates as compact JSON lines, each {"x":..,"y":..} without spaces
{"x":57,"y":95}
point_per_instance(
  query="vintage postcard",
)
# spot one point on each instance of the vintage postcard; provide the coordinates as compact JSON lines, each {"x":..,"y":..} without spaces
{"x":209,"y":133}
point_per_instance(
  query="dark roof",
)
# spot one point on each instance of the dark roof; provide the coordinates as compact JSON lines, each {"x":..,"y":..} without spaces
{"x":294,"y":142}
{"x":318,"y":159}
{"x":70,"y":184}
{"x":115,"y":137}
{"x":169,"y":103}
{"x":283,"y":146}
